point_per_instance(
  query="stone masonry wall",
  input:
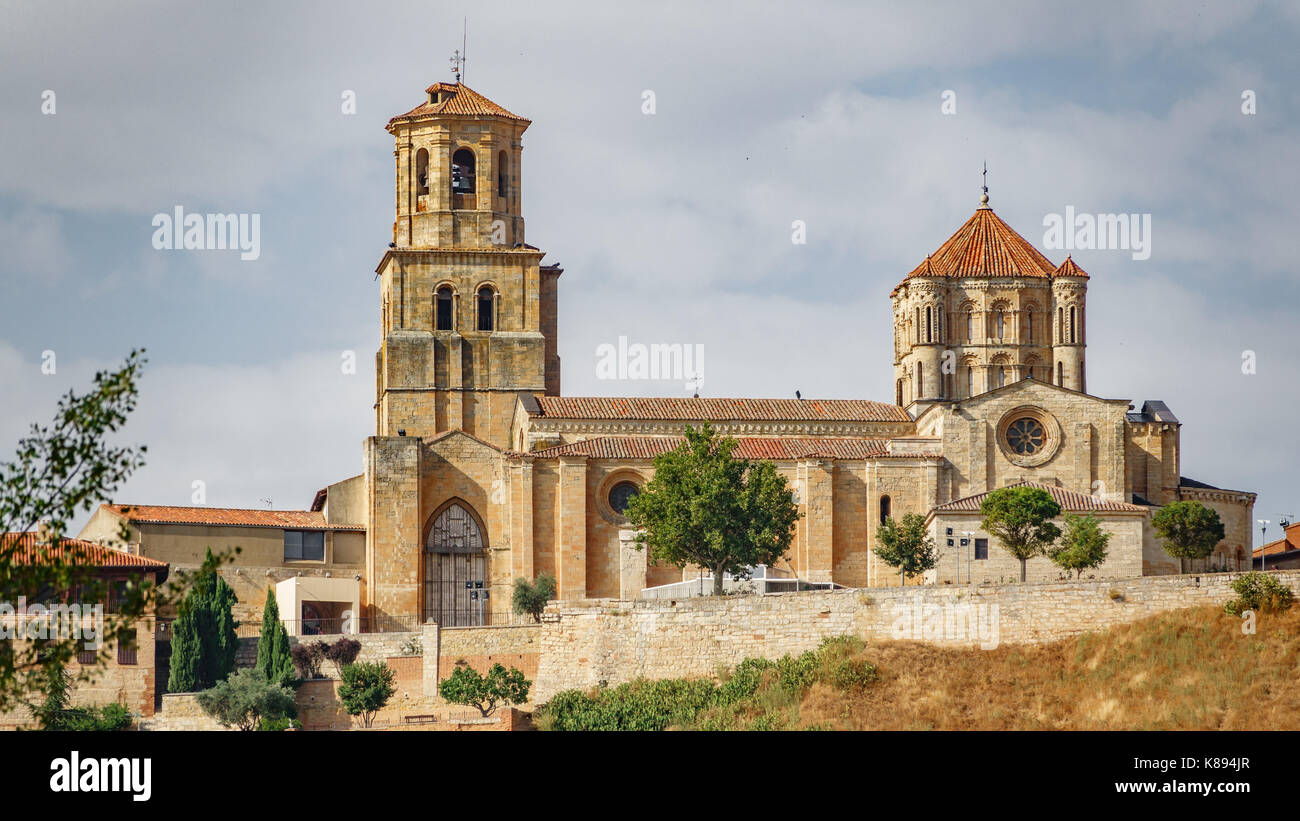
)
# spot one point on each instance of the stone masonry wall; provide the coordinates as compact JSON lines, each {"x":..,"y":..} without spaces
{"x":616,"y":641}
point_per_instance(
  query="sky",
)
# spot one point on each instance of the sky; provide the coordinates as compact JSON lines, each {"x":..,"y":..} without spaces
{"x":672,"y":227}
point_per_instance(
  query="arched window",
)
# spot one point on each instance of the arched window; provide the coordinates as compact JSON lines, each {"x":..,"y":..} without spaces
{"x":503,"y":174}
{"x":1000,"y":321}
{"x":970,"y":381}
{"x":1060,"y":374}
{"x":442,"y":309}
{"x":1072,"y":325}
{"x":454,"y":582}
{"x":970,"y":324}
{"x":1029,"y":323}
{"x":422,"y":171}
{"x":1002,"y":375}
{"x":920,"y":386}
{"x":1080,"y":385}
{"x":486,"y":308}
{"x":1060,"y":325}
{"x":929,"y":328}
{"x":462,"y":172}
{"x":938,"y":323}
{"x":885,"y":512}
{"x":898,"y":393}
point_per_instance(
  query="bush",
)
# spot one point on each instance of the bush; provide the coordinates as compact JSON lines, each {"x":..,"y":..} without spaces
{"x":530,"y":598}
{"x":500,"y":686}
{"x":342,"y":653}
{"x":246,"y":699}
{"x":365,"y":689}
{"x":307,"y":658}
{"x":1259,"y":592}
{"x":279,"y":725}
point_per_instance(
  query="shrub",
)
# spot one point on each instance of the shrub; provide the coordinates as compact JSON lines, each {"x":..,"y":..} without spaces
{"x":342,"y":653}
{"x":246,"y":699}
{"x":365,"y":689}
{"x":274,"y":656}
{"x":529,"y":599}
{"x":307,"y":658}
{"x":279,"y":725}
{"x":500,"y":686}
{"x":1259,"y":592}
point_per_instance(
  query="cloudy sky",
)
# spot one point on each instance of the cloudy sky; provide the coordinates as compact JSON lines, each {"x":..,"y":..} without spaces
{"x":671,"y":227}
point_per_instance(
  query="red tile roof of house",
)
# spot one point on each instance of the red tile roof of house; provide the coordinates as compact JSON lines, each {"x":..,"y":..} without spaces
{"x":720,"y":410}
{"x":227,"y":516}
{"x":1069,"y":500}
{"x":460,"y":99}
{"x":985,"y":246}
{"x":1288,"y":543}
{"x":30,"y":548}
{"x":750,"y":447}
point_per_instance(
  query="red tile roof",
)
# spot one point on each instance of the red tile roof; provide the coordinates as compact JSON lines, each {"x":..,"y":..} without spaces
{"x":1069,"y":500}
{"x":29,"y":549}
{"x":1070,"y":269}
{"x":987,"y":247}
{"x":236,"y":517}
{"x":720,"y":410}
{"x":459,"y":99}
{"x":750,"y":447}
{"x":1288,"y":543}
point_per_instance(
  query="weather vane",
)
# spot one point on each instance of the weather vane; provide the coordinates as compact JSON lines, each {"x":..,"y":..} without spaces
{"x":457,"y":62}
{"x":458,"y":56}
{"x":986,"y":177}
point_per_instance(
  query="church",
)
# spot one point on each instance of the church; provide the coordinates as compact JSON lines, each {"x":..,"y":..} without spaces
{"x":480,"y":471}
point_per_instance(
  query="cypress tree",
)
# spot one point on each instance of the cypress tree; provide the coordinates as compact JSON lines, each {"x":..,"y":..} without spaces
{"x":204,"y":642}
{"x":186,"y":651}
{"x":273,"y":657}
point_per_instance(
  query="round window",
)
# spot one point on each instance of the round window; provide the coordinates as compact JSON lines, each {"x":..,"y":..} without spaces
{"x":1026,"y":436}
{"x":620,"y":496}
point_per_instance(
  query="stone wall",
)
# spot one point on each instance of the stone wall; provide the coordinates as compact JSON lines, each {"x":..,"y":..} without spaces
{"x":616,"y":641}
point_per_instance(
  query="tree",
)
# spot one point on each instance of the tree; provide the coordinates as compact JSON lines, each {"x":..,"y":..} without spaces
{"x":58,"y":471}
{"x":1190,"y":530}
{"x":500,"y":686}
{"x":1082,"y":546}
{"x":342,"y":653}
{"x":246,"y":699}
{"x":1020,"y":517}
{"x":204,"y":641}
{"x":56,"y":713}
{"x":365,"y":689}
{"x":707,"y":508}
{"x":906,"y":545}
{"x":530,"y":599}
{"x":274,"y":656}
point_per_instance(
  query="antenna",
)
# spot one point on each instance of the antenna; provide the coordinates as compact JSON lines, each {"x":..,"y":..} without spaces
{"x":464,"y":44}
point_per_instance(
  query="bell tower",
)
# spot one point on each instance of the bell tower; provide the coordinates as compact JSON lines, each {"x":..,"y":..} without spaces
{"x":468,"y":310}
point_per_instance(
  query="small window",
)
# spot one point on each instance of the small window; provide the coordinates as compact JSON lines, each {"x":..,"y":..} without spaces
{"x":884,"y":508}
{"x":486,"y":308}
{"x":422,"y":171}
{"x":621,"y":495}
{"x":126,"y":649}
{"x":87,"y":658}
{"x":981,"y":549}
{"x":304,"y":545}
{"x":443,"y":309}
{"x":116,"y":596}
{"x":503,"y":174}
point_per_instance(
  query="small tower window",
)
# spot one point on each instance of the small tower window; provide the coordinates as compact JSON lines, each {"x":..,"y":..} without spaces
{"x":1072,"y":325}
{"x":1060,"y":374}
{"x":884,"y":509}
{"x":443,"y":309}
{"x":1001,"y":319}
{"x":462,"y":172}
{"x":503,"y":174}
{"x":422,"y":171}
{"x":970,"y":324}
{"x":486,"y":308}
{"x":1029,"y":317}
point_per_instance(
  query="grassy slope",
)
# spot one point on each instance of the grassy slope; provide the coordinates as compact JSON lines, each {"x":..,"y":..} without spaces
{"x":1190,"y":669}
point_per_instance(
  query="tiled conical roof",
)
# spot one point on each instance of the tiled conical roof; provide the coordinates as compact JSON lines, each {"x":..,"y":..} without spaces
{"x":456,"y":99}
{"x":985,"y":247}
{"x":1070,"y":269}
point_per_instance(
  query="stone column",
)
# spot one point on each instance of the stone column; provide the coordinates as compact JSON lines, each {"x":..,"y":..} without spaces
{"x":571,"y":529}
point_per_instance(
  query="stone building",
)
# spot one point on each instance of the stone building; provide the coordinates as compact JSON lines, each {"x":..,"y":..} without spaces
{"x":481,"y":472}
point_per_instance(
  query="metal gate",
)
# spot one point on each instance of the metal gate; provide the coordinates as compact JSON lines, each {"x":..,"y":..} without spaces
{"x":455,"y":593}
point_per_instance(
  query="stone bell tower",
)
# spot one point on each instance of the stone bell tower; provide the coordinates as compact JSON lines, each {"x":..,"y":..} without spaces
{"x":468,"y":310}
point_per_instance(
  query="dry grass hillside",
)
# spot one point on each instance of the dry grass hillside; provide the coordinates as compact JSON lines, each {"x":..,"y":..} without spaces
{"x":1190,"y":669}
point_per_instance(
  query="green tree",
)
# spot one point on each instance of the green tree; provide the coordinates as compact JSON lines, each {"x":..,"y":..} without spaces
{"x":500,"y":686}
{"x":906,"y":545}
{"x":707,"y":508}
{"x":58,"y":471}
{"x":1190,"y":530}
{"x":1082,"y":545}
{"x":1020,"y":517}
{"x":529,"y":599}
{"x":246,"y":699}
{"x":365,"y":689}
{"x":274,"y":655}
{"x":56,"y":713}
{"x":204,"y":641}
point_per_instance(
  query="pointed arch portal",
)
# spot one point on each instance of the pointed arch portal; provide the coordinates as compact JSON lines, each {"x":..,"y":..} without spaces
{"x":455,"y":590}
